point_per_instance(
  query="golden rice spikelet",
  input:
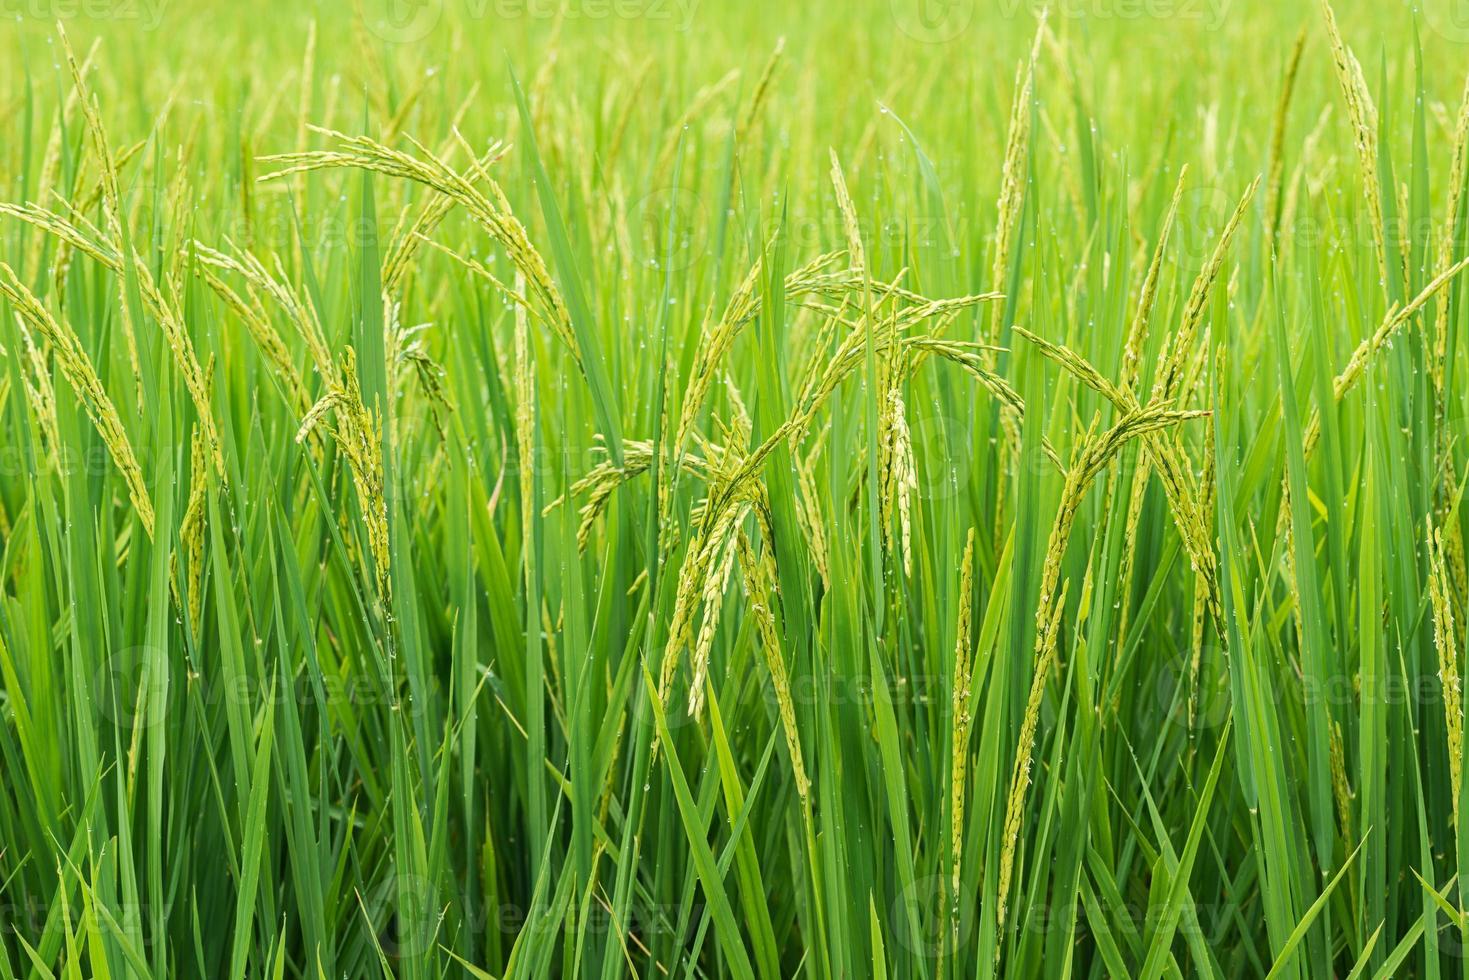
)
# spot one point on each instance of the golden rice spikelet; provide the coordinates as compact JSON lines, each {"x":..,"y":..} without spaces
{"x":759,"y":575}
{"x":680,"y":625}
{"x":1453,"y":547}
{"x":714,"y":343}
{"x":51,"y":160}
{"x":93,"y":242}
{"x":525,"y":412}
{"x":1444,"y":640}
{"x":602,"y":480}
{"x":361,"y":438}
{"x":762,"y":91}
{"x":358,"y":433}
{"x":899,"y":476}
{"x":170,"y":319}
{"x":808,"y":512}
{"x":80,"y":373}
{"x":77,"y":368}
{"x":1148,"y":296}
{"x":261,"y":280}
{"x":701,"y":581}
{"x":1012,"y":177}
{"x":489,"y":209}
{"x":1160,"y":454}
{"x":412,"y":233}
{"x":1081,"y":368}
{"x":258,"y":325}
{"x":1341,"y":790}
{"x":1449,"y":245}
{"x":1357,"y":365}
{"x":111,"y":197}
{"x":851,"y":227}
{"x":191,"y":528}
{"x":1362,"y":114}
{"x":1166,"y":385}
{"x":961,"y":717}
{"x":1394,"y":319}
{"x":1020,"y":778}
{"x":39,"y":390}
{"x":713,"y":596}
{"x":1276,"y":178}
{"x":744,"y":304}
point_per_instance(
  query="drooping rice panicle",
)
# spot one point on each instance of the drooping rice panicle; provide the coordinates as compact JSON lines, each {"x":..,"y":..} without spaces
{"x":1095,"y":452}
{"x":39,"y":389}
{"x":1445,"y":641}
{"x":77,"y":368}
{"x":759,"y":575}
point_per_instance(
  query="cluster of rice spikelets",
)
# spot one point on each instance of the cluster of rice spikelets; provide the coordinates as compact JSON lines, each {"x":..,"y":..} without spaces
{"x":758,"y":572}
{"x":358,"y":432}
{"x":1445,"y":640}
{"x":961,"y":718}
{"x":1093,"y":453}
{"x":77,"y":368}
{"x":1362,"y":114}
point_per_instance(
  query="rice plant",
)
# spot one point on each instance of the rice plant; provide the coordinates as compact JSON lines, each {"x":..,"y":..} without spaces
{"x":540,"y":488}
